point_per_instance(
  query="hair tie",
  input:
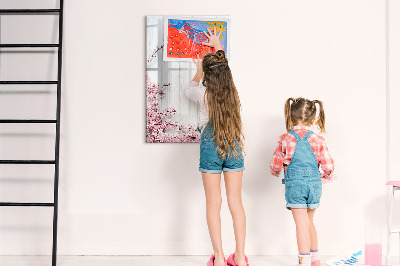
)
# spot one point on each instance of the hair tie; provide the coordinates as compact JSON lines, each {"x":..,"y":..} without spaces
{"x":218,"y":64}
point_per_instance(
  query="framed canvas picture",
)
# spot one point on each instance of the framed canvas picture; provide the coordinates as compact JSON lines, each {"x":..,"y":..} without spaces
{"x":170,"y":116}
{"x":184,"y":35}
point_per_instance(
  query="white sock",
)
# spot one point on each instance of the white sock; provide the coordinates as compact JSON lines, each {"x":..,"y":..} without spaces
{"x":314,"y":255}
{"x":305,"y":260}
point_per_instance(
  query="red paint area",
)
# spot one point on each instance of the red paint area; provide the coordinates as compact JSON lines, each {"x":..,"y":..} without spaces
{"x":181,"y":46}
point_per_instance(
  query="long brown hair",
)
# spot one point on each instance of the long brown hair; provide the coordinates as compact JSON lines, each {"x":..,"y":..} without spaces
{"x":303,"y":110}
{"x":223,"y":104}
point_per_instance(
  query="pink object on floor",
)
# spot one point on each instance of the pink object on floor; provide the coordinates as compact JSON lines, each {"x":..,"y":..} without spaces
{"x":231,"y":260}
{"x":393,"y":183}
{"x":326,"y":181}
{"x":373,"y":254}
{"x":211,"y":260}
{"x":316,"y":263}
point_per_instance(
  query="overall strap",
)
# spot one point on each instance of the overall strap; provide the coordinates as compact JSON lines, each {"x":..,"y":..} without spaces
{"x":297,"y":136}
{"x":294,"y":133}
{"x":303,"y":164}
{"x":308,"y":134}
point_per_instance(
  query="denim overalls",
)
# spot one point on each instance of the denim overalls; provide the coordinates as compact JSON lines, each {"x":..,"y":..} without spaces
{"x":211,"y":162}
{"x":302,"y":181}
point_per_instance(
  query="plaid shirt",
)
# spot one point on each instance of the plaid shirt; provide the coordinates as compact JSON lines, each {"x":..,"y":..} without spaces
{"x":287,"y":144}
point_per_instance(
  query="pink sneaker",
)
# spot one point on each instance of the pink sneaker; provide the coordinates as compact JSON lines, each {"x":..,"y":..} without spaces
{"x":316,"y":263}
{"x":231,"y":260}
{"x":211,"y":261}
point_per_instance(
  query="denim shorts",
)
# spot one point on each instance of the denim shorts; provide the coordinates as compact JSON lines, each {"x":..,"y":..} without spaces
{"x":210,"y":160}
{"x":303,"y":193}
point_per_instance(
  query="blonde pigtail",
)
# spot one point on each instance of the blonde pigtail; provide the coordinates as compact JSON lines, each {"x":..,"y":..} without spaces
{"x":321,"y":116}
{"x":288,"y":114}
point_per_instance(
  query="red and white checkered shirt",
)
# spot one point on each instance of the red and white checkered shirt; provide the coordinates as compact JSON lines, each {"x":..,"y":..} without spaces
{"x":287,"y":144}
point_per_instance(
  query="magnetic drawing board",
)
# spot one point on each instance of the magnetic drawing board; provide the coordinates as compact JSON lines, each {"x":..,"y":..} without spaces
{"x":183,"y":36}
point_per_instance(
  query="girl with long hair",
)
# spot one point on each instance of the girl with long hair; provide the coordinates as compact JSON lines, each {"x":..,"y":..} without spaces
{"x":221,"y":147}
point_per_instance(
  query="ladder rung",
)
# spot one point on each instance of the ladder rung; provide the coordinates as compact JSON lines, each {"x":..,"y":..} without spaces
{"x":26,"y":121}
{"x":33,"y":45}
{"x":28,"y":11}
{"x":27,"y":161}
{"x":29,"y":204}
{"x":29,"y":82}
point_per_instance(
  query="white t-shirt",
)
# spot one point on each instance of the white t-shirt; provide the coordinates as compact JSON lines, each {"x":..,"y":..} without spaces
{"x":196,"y":92}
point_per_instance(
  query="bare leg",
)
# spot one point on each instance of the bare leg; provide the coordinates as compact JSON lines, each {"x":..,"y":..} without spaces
{"x":233,"y":183}
{"x":302,"y":221}
{"x":212,"y":188}
{"x":313,"y":230}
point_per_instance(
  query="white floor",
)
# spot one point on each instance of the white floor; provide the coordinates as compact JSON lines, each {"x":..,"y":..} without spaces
{"x":143,"y":260}
{"x":136,"y":260}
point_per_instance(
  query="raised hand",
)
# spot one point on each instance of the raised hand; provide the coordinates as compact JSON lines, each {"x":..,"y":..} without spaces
{"x":199,"y":66}
{"x":213,"y":39}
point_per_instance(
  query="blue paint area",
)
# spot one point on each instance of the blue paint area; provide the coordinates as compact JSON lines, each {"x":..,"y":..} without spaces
{"x":198,"y":27}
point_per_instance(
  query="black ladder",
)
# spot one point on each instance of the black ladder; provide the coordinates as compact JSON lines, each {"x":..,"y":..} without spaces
{"x":57,"y":82}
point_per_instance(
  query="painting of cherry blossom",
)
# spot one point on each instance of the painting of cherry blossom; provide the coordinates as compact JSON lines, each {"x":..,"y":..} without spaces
{"x":170,"y":116}
{"x":183,"y":36}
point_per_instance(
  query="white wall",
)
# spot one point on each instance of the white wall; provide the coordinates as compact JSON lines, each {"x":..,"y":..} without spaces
{"x":120,"y":195}
{"x":394,"y":110}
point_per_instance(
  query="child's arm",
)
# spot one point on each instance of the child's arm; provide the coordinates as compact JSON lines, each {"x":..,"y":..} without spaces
{"x":194,"y":91}
{"x":277,"y":159}
{"x":327,"y":164}
{"x":213,"y":39}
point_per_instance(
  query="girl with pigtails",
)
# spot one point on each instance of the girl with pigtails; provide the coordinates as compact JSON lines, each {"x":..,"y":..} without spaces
{"x":302,"y":154}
